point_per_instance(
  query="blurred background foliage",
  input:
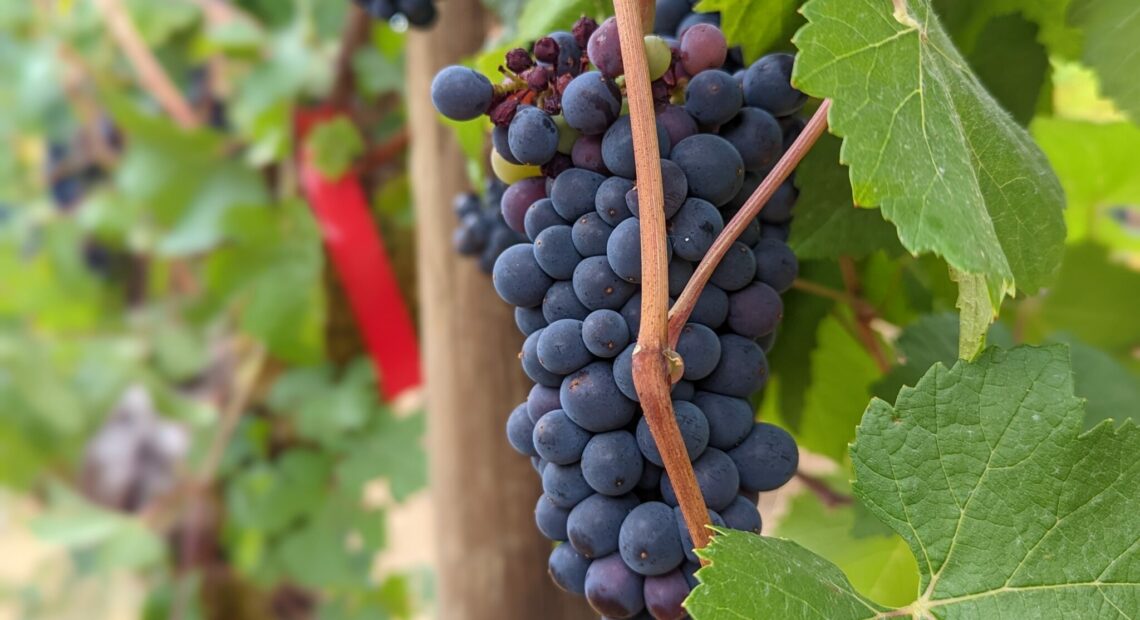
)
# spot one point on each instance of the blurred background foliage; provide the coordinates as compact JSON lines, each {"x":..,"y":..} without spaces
{"x":188,"y":428}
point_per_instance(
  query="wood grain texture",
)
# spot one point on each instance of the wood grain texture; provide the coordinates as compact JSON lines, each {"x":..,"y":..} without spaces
{"x":491,"y":560}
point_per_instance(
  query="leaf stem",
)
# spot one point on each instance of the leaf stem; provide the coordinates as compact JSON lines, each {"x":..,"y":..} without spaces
{"x":732,"y":231}
{"x":651,"y":356}
{"x":820,"y":290}
{"x":151,"y":74}
{"x":829,"y":496}
{"x":863,"y":316}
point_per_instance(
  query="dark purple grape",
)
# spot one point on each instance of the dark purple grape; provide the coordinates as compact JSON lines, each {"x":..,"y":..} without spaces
{"x":699,"y":347}
{"x":558,"y":439}
{"x":766,"y":459}
{"x":593,"y":401}
{"x":604,"y":49}
{"x":461,"y":93}
{"x":614,"y":590}
{"x":519,"y":431}
{"x":591,"y":103}
{"x":757,"y":137}
{"x":712,"y":166}
{"x":591,"y":235}
{"x":717,"y":478}
{"x":768,"y":85}
{"x":649,"y":542}
{"x":713,"y":98}
{"x":568,"y":568}
{"x":743,"y":368}
{"x":694,"y":432}
{"x":517,"y":200}
{"x":755,"y":311}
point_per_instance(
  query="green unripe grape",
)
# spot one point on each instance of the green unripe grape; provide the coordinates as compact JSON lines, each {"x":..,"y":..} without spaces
{"x":567,"y":135}
{"x":511,"y":173}
{"x":659,"y":56}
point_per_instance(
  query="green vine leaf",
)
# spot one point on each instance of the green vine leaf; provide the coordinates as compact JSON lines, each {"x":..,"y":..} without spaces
{"x":1111,"y":29}
{"x":756,"y":25}
{"x":981,"y":470}
{"x":927,"y":143}
{"x":335,"y":145}
{"x":828,"y":225}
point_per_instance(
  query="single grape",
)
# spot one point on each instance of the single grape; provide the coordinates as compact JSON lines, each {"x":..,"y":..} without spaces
{"x":510,"y":173}
{"x":529,"y":320}
{"x":623,"y":373}
{"x":567,"y":569}
{"x":779,"y":232}
{"x":683,"y":390}
{"x":604,"y":48}
{"x":560,"y":347}
{"x":755,"y":311}
{"x":614,"y":590}
{"x":694,"y":228}
{"x":573,"y":193}
{"x":623,"y":251}
{"x":680,"y":270}
{"x":757,"y":137}
{"x":717,"y":478}
{"x":530,"y":365}
{"x":518,"y":278}
{"x":539,"y":465}
{"x":677,"y":123}
{"x":564,"y":485}
{"x":593,"y":401}
{"x":659,"y":56}
{"x":631,"y":312}
{"x":610,"y":201}
{"x":776,"y":264}
{"x":518,"y":198}
{"x":555,"y":253}
{"x":766,"y":459}
{"x":541,"y":215}
{"x":711,"y":309}
{"x":591,"y":234}
{"x":519,"y":431}
{"x":470,"y":237}
{"x":461,"y":93}
{"x":594,"y":524}
{"x":712,"y":167}
{"x":560,"y":302}
{"x":742,"y":515}
{"x":778,"y":210}
{"x":591,"y":103}
{"x":702,"y":47}
{"x":649,"y":542}
{"x":792,"y":127}
{"x":533,"y":136}
{"x":617,"y":147}
{"x":664,"y":595}
{"x":611,"y":463}
{"x":713,"y":97}
{"x":597,"y":286}
{"x":558,"y":439}
{"x":768,"y":85}
{"x":730,"y":419}
{"x":743,"y":368}
{"x":419,"y":13}
{"x":501,"y":145}
{"x":567,"y":135}
{"x":669,"y":14}
{"x":694,"y":432}
{"x":587,"y":154}
{"x":551,"y":519}
{"x":675,"y":186}
{"x":699,"y":348}
{"x":540,"y":401}
{"x":605,"y":333}
{"x":735,"y":270}
{"x":650,"y":478}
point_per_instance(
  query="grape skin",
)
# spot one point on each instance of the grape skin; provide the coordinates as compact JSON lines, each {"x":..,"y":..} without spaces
{"x":648,"y":541}
{"x":460,"y":93}
{"x":694,"y":429}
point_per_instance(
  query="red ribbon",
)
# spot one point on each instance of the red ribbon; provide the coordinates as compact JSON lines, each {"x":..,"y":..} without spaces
{"x":357,"y":251}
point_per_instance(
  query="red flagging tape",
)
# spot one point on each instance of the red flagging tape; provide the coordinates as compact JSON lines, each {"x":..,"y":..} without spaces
{"x":358,"y":255}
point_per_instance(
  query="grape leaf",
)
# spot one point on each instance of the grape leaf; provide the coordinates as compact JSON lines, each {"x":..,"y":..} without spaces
{"x":1111,"y":29}
{"x":981,"y":470}
{"x":1091,"y":297}
{"x":756,"y":25}
{"x":539,"y":19}
{"x":879,"y":562}
{"x":928,"y":144}
{"x":965,"y":21}
{"x":1011,"y":41}
{"x":843,"y":373}
{"x":827,"y":224}
{"x":334,"y":145}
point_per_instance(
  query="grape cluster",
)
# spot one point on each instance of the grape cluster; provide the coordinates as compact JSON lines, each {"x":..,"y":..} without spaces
{"x":418,"y":13}
{"x":563,"y":144}
{"x":481,"y":232}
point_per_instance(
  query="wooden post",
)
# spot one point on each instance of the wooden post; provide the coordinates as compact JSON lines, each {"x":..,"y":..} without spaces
{"x":491,"y":560}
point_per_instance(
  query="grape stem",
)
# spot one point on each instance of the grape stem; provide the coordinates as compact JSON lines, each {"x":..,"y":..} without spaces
{"x":651,"y":355}
{"x":863,"y":315}
{"x":356,"y":30}
{"x":732,"y":231}
{"x":150,"y":72}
